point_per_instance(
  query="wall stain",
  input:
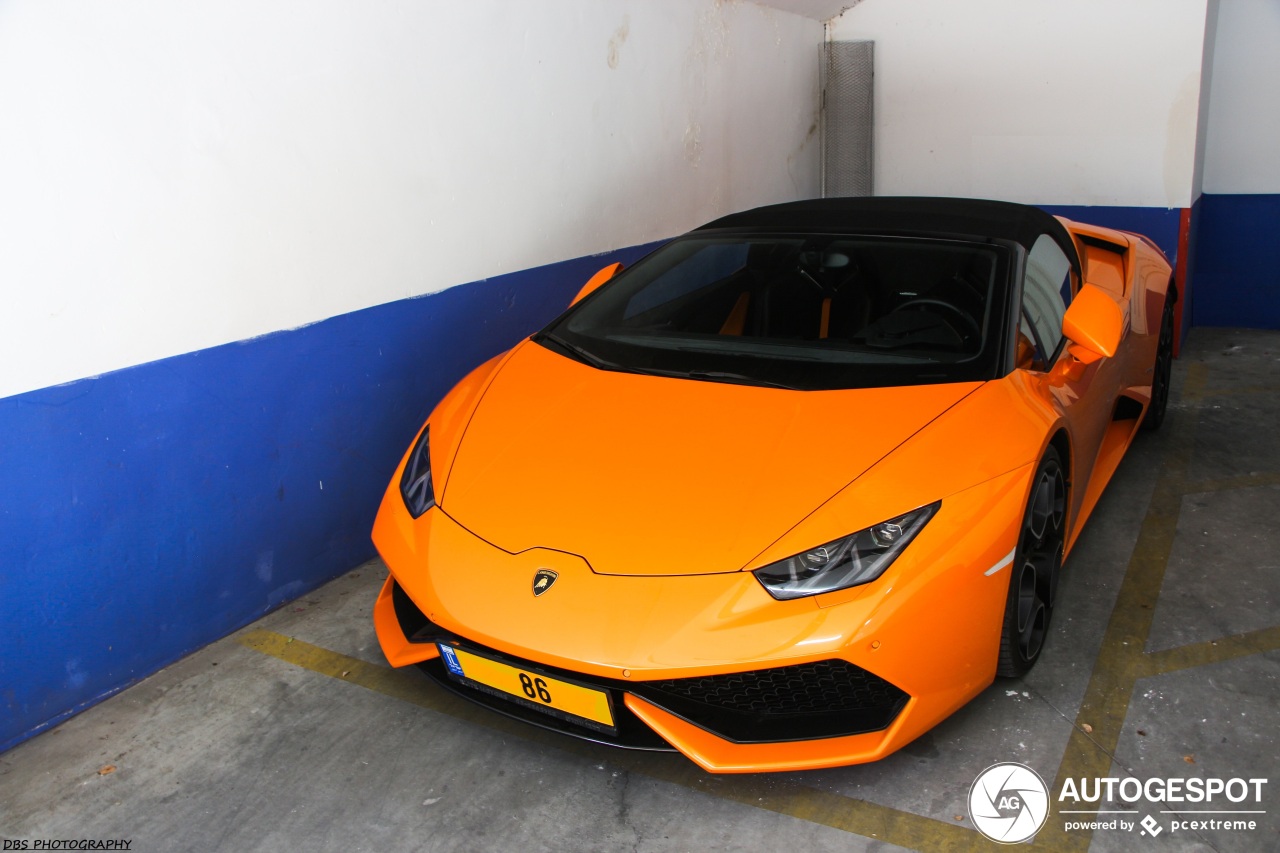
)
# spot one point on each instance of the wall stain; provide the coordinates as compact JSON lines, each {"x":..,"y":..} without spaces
{"x":803,"y":156}
{"x":618,"y":40}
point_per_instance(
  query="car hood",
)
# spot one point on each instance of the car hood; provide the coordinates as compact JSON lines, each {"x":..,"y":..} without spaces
{"x":650,"y":475}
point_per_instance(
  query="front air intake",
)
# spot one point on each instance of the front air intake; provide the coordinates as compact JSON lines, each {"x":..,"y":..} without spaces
{"x":827,"y":698}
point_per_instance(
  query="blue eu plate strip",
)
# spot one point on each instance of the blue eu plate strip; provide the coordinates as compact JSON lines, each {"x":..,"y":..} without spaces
{"x":450,"y":659}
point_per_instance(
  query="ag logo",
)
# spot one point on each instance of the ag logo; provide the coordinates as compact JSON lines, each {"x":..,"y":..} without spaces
{"x":543,"y":580}
{"x":1008,"y":802}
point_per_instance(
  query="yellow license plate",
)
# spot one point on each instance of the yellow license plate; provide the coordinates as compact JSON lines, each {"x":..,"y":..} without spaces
{"x":537,"y":690}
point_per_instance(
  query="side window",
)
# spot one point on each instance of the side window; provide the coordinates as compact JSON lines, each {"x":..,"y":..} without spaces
{"x":1046,"y":291}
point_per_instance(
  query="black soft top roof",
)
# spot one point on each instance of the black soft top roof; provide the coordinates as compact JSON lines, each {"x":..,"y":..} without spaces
{"x":968,"y":217}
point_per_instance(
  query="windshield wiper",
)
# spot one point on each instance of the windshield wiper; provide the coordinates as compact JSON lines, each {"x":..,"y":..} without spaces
{"x":587,"y":357}
{"x":580,"y":354}
{"x":737,"y":379}
{"x":716,"y":376}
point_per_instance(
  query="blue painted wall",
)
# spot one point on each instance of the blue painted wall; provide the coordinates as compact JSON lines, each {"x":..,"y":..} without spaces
{"x":1158,"y":223}
{"x":1237,"y":261}
{"x":150,"y":511}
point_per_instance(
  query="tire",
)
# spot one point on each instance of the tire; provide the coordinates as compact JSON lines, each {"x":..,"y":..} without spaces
{"x":1037,"y":563}
{"x":1162,"y":370}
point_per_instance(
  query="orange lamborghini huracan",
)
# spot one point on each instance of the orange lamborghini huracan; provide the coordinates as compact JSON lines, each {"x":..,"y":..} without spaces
{"x":788,"y":491}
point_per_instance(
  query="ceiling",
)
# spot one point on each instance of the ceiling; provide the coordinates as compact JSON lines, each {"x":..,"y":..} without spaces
{"x":819,"y":10}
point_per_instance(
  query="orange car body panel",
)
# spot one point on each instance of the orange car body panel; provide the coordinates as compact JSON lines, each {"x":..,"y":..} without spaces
{"x":724,"y":439}
{"x":930,"y":624}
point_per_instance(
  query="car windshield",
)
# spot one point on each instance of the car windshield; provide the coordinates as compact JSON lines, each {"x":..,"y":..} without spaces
{"x":799,"y":311}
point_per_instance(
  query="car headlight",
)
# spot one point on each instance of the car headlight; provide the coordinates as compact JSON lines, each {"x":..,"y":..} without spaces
{"x":415,"y":483}
{"x":856,"y":559}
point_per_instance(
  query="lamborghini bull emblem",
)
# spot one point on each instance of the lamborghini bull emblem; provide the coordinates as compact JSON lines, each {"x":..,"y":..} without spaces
{"x":543,"y":580}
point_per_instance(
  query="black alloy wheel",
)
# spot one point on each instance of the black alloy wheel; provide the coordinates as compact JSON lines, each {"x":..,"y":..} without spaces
{"x":1162,"y":370}
{"x":1037,"y":562}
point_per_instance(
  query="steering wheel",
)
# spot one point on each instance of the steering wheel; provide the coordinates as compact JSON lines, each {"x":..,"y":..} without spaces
{"x":968,"y":322}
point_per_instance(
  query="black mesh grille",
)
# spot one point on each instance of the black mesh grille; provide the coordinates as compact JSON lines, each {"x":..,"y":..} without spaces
{"x":829,"y":698}
{"x":829,"y":685}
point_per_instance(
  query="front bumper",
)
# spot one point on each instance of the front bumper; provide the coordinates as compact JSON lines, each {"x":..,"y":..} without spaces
{"x":823,"y":699}
{"x":709,"y":664}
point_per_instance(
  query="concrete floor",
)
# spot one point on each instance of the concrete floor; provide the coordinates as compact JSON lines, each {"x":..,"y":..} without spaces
{"x":1164,"y":662}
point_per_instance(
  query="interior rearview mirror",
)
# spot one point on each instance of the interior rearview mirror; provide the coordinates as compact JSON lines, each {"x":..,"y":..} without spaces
{"x":595,"y":281}
{"x":1092,"y":324}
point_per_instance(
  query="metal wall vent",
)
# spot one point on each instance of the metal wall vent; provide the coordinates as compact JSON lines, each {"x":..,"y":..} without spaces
{"x":847,"y":76}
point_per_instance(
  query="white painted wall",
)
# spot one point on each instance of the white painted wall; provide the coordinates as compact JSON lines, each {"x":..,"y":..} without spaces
{"x":1243,"y":141}
{"x":1082,"y":102}
{"x":1206,"y":83}
{"x":179,"y":175}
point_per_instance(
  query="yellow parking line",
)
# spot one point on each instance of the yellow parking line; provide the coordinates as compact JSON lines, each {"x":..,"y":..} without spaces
{"x":774,"y":793}
{"x":1196,"y":387}
{"x":1213,"y":651}
{"x":1242,"y":481}
{"x":786,"y":797}
{"x":1242,"y":389}
{"x":400,"y":684}
{"x":404,"y":684}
